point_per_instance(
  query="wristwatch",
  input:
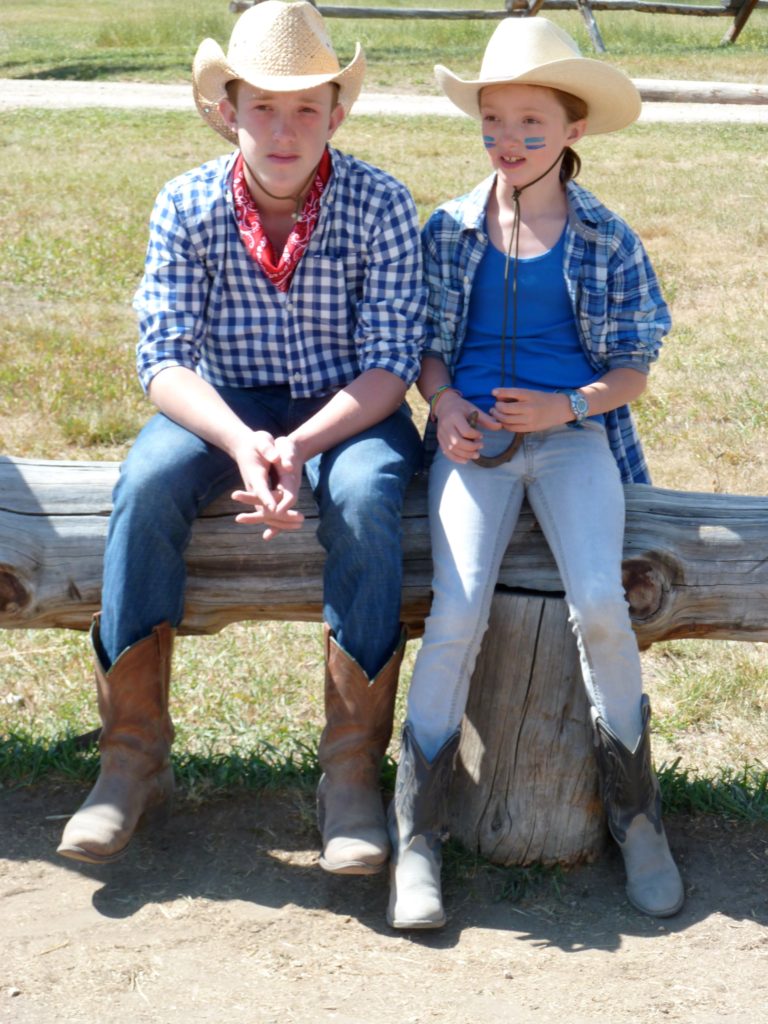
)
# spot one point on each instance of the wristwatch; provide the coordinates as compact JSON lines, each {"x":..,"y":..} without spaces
{"x":579,"y":404}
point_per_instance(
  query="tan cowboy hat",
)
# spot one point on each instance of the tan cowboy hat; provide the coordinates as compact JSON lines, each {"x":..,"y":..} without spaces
{"x":278,"y":47}
{"x":534,"y":51}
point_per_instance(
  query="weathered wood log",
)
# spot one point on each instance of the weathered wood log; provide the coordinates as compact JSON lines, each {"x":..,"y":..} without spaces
{"x":695,"y":564}
{"x":701,"y":92}
{"x":525,"y":787}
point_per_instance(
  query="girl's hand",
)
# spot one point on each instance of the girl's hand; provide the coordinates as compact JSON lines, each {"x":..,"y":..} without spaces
{"x":457,"y":427}
{"x":521,"y":411}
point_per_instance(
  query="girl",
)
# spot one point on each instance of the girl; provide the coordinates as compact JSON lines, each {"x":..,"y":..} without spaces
{"x":545,"y":315}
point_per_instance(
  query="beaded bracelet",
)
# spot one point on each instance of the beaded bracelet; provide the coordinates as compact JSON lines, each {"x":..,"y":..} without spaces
{"x":435,"y":398}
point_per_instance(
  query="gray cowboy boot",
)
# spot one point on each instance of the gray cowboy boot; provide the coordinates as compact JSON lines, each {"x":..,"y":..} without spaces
{"x":632,"y":801}
{"x":417,"y":827}
{"x":350,"y":808}
{"x":136,"y":736}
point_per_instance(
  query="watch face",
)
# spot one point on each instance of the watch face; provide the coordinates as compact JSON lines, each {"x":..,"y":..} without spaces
{"x":579,"y":405}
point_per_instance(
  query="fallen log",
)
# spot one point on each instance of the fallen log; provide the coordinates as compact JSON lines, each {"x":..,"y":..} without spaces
{"x":696,"y":565}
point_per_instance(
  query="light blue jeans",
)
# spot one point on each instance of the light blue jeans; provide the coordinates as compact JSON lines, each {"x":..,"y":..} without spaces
{"x":574,"y":489}
{"x":170,"y":475}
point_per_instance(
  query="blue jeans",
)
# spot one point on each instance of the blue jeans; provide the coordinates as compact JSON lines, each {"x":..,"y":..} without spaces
{"x":170,"y":475}
{"x":573,"y":487}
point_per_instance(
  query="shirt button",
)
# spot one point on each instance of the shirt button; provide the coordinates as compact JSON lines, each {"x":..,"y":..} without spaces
{"x":298,"y":378}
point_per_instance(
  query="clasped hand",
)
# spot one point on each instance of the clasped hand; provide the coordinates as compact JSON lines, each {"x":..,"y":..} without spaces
{"x":517,"y":410}
{"x":271,"y":470}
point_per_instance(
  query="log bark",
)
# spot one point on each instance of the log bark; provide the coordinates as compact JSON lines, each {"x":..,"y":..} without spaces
{"x":695,"y":564}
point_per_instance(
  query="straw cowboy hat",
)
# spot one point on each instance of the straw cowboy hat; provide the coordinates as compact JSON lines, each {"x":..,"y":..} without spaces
{"x":278,"y":47}
{"x":534,"y":51}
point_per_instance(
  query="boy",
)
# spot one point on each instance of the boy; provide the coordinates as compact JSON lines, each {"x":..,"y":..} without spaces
{"x":280,"y":319}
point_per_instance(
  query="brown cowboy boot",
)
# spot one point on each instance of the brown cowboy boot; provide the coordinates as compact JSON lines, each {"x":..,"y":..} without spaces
{"x":135,"y":744}
{"x":358,"y":728}
{"x":632,"y":799}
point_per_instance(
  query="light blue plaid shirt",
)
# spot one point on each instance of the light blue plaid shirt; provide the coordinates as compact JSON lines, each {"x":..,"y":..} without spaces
{"x":620,"y":314}
{"x":356,"y":301}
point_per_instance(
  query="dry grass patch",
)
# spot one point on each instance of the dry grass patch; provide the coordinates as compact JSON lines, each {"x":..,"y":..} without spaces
{"x":72,"y":239}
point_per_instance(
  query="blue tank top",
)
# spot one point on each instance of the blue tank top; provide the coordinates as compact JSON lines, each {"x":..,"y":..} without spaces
{"x":548,"y":354}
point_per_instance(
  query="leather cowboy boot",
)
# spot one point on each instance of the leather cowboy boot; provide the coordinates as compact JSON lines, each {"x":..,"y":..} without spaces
{"x":632,"y":801}
{"x":350,"y":810}
{"x":136,"y":737}
{"x":417,"y":825}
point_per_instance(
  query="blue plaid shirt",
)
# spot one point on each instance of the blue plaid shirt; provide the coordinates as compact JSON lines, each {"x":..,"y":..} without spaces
{"x":620,"y":314}
{"x":356,"y":301}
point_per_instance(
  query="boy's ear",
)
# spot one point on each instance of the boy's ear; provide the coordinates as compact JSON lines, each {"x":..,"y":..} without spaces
{"x":337,"y":116}
{"x":228,"y":112}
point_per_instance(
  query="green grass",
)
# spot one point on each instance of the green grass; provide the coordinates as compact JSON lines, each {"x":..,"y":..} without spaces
{"x":73,"y":233}
{"x":75,"y":195}
{"x":155,"y":42}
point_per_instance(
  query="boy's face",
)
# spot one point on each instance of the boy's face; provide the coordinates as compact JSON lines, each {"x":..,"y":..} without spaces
{"x":282,"y":135}
{"x":524,"y":128}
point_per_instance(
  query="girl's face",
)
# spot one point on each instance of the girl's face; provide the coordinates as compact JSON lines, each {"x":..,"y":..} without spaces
{"x":524,"y":129}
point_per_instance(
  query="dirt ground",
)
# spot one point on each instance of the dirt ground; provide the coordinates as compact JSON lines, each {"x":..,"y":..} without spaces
{"x":223,"y":915}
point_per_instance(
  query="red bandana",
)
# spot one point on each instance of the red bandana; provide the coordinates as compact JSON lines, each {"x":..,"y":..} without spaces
{"x":252,"y":233}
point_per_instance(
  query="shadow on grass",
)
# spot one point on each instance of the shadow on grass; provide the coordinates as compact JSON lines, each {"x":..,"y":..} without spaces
{"x":149,"y":65}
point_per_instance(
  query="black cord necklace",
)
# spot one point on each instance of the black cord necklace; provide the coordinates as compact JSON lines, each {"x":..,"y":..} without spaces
{"x":489,"y":461}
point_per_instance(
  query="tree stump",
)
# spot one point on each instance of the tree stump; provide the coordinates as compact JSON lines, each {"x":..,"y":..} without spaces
{"x":525,"y":788}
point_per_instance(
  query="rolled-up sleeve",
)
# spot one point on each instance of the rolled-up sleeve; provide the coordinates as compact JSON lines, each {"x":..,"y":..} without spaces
{"x":620,"y":312}
{"x":171,"y":299}
{"x":389,"y":331}
{"x":638,"y":315}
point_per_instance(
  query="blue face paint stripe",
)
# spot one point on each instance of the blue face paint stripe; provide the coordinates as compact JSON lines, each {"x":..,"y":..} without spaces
{"x":535,"y":142}
{"x":489,"y":141}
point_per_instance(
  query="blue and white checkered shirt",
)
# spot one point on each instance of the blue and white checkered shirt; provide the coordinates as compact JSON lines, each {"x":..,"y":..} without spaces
{"x":356,"y":301}
{"x":620,"y":314}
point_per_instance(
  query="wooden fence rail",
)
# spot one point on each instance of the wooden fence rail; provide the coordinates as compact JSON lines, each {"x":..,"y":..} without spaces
{"x":739,"y":10}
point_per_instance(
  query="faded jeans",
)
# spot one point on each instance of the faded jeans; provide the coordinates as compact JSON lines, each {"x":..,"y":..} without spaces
{"x":170,"y":475}
{"x":574,"y":489}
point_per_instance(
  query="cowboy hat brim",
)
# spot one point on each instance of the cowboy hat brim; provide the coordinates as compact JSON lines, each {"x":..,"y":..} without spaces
{"x":612,"y":99}
{"x":211,"y":71}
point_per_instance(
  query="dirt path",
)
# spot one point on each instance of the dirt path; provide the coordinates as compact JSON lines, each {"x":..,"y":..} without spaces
{"x":15,"y":93}
{"x":222,"y":916}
